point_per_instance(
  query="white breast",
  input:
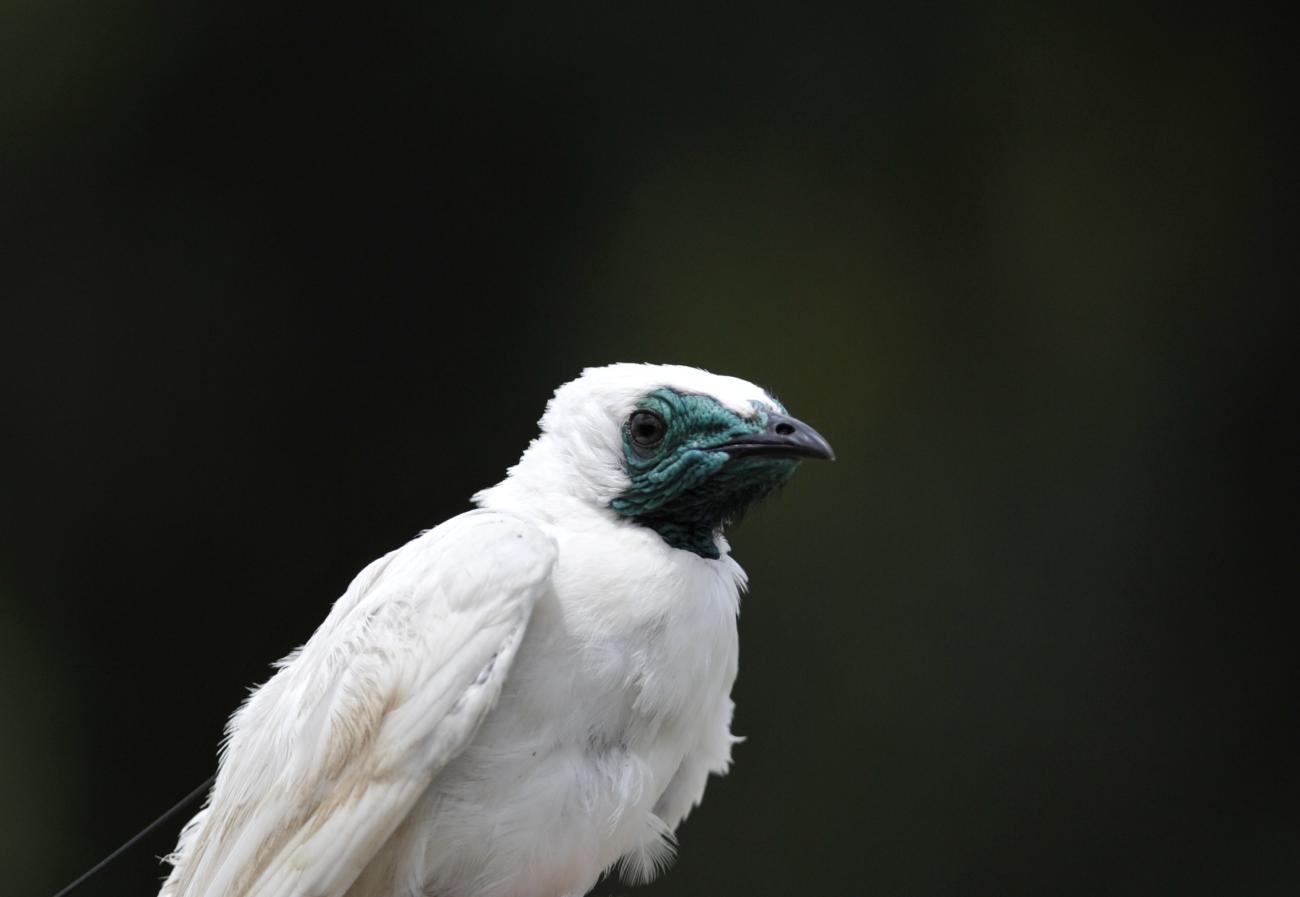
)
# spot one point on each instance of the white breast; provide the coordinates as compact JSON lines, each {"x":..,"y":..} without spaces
{"x":615,"y":710}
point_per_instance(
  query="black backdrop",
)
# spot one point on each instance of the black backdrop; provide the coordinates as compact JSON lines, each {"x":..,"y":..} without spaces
{"x":283,"y":285}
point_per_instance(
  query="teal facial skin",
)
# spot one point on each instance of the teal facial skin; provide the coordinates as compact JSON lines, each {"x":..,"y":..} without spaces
{"x":686,"y":488}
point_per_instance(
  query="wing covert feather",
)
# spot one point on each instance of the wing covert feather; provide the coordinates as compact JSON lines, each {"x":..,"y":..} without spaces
{"x":324,"y":761}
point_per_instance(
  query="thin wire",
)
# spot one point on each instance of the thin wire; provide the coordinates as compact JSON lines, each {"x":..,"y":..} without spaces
{"x":142,"y":833}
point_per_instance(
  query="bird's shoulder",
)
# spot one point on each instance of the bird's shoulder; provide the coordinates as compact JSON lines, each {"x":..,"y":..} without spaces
{"x":477,"y":548}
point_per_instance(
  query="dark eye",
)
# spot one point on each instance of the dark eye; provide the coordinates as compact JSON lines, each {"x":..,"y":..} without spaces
{"x":646,"y":429}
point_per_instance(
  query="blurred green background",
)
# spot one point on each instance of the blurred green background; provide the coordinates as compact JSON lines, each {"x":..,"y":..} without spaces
{"x":283,"y":285}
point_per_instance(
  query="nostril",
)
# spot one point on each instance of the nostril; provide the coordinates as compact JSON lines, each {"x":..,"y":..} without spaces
{"x":784,"y":429}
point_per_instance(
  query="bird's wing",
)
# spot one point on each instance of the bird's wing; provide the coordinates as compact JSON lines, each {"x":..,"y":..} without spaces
{"x":324,"y":761}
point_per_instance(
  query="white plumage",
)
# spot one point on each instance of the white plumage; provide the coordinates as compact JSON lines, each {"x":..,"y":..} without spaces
{"x":507,"y":705}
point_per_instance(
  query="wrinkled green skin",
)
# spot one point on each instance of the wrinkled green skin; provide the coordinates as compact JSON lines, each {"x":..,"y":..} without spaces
{"x":688,"y":489}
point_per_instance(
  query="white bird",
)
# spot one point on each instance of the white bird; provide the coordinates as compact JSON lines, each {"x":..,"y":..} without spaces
{"x":530,"y":693}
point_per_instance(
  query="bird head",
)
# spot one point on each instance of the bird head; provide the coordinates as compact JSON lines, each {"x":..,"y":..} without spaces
{"x":676,"y":449}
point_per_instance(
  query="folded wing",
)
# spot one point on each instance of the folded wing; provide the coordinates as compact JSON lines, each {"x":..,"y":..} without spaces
{"x":325,"y":760}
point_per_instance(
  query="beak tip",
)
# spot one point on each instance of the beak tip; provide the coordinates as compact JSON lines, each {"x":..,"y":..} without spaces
{"x":823,"y":450}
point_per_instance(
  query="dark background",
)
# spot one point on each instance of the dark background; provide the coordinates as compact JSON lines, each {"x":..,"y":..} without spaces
{"x":282,"y":286}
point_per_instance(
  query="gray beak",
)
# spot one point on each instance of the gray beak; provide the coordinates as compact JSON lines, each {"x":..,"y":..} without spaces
{"x":784,"y":437}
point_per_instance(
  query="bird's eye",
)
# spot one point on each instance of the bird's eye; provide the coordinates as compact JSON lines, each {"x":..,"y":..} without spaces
{"x":646,"y":430}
